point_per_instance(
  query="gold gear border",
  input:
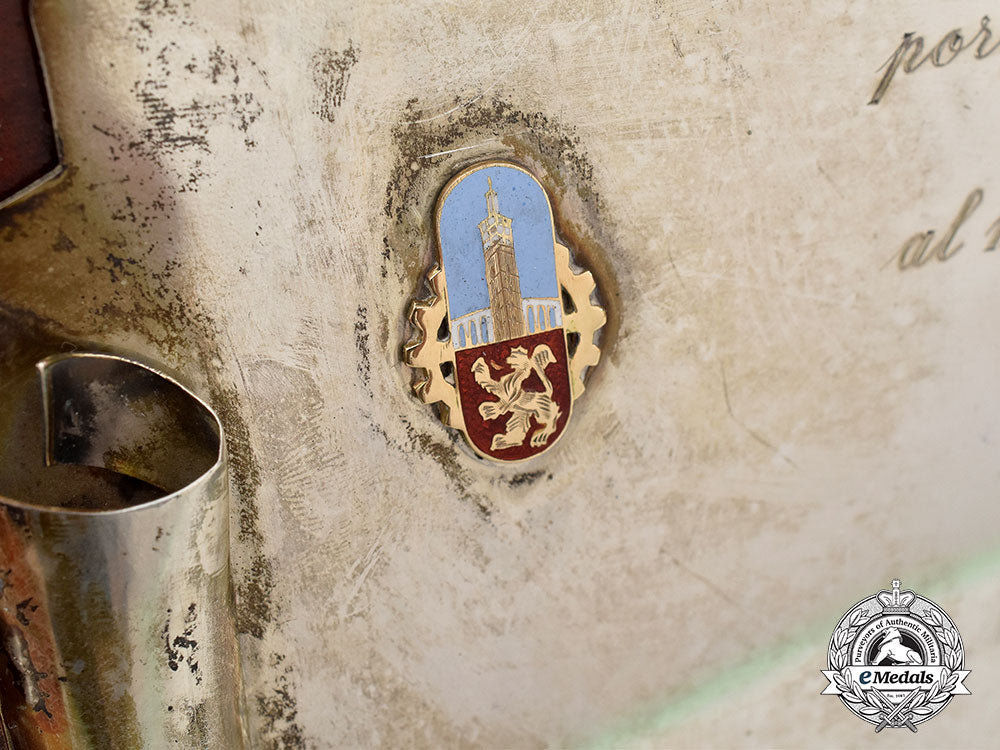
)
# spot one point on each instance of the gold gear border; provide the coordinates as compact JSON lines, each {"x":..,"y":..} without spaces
{"x":426,"y":354}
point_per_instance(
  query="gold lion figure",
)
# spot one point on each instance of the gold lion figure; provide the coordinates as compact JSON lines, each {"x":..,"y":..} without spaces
{"x":522,"y":405}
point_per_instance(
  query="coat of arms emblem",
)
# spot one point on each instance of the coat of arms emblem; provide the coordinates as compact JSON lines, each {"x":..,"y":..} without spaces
{"x":505,"y":339}
{"x":896,"y":659}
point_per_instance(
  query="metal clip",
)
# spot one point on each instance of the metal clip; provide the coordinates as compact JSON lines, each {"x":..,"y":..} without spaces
{"x":116,"y":606}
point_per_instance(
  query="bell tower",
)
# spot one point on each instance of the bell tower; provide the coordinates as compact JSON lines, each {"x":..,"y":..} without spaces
{"x":501,"y":270}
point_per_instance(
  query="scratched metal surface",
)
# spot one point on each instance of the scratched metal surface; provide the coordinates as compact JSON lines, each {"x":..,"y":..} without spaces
{"x":782,"y":421}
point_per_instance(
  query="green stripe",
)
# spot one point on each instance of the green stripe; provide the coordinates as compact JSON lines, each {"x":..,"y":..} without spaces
{"x":673,"y":711}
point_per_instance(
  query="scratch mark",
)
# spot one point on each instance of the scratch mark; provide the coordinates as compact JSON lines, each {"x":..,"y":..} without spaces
{"x":373,"y":555}
{"x":707,"y":582}
{"x":677,"y":273}
{"x":283,"y":363}
{"x":753,"y":433}
{"x":677,"y":46}
{"x":461,"y":148}
{"x":457,"y":107}
{"x":829,"y":179}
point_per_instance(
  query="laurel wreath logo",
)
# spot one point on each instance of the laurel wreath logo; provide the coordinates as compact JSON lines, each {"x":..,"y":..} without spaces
{"x":868,"y":702}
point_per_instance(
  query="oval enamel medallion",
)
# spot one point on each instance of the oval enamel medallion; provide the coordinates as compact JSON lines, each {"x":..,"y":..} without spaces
{"x":505,"y":338}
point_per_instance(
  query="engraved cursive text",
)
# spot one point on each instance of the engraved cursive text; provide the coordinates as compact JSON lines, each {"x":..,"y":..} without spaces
{"x":921,"y":247}
{"x":907,"y":56}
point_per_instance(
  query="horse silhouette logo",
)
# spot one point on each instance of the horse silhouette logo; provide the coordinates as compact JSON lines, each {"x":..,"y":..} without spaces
{"x":891,"y":647}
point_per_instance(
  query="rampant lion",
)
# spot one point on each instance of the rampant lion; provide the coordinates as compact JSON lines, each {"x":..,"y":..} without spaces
{"x":522,"y":405}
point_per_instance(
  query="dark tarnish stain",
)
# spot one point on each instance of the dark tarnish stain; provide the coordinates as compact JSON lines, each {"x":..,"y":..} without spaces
{"x":361,"y":342}
{"x":148,"y":303}
{"x":173,"y":655}
{"x":418,"y":135}
{"x":183,"y":649}
{"x":245,"y":472}
{"x":537,"y":141}
{"x":279,"y":710}
{"x":17,"y":517}
{"x":331,"y":72}
{"x":214,"y":91}
{"x":386,"y":255}
{"x":253,"y":610}
{"x":119,"y":267}
{"x":198,"y":731}
{"x":527,"y":478}
{"x":177,"y":126}
{"x":253,"y":592}
{"x":63,"y":244}
{"x":179,"y":9}
{"x":21,"y":608}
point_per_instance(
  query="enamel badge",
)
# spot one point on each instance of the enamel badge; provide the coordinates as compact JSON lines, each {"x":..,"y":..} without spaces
{"x":505,"y":339}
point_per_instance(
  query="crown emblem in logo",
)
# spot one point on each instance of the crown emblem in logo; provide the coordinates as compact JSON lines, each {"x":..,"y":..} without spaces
{"x":895,"y":602}
{"x":505,"y":339}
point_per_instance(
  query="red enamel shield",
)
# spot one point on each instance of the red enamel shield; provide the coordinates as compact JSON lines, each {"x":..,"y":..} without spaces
{"x":515,"y":394}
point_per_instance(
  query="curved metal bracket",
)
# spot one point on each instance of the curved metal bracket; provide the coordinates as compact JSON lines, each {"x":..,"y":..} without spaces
{"x":117,"y":619}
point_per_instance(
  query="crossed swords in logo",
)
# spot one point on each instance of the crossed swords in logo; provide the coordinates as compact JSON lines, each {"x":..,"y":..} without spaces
{"x":900,"y":707}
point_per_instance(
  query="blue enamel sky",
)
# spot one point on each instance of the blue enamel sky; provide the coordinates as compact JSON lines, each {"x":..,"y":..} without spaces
{"x":520,"y":198}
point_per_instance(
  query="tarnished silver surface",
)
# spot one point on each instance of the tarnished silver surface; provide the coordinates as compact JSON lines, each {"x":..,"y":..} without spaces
{"x":116,"y":605}
{"x":782,"y":420}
